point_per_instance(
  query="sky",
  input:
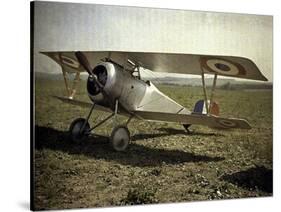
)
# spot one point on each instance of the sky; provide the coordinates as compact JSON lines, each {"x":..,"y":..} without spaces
{"x":90,"y":27}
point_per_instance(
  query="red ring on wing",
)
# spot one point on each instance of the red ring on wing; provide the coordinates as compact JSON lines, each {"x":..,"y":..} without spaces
{"x":72,"y":63}
{"x":226,"y":123}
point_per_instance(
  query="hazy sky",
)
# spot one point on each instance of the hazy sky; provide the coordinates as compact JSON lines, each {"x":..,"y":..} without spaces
{"x":68,"y":26}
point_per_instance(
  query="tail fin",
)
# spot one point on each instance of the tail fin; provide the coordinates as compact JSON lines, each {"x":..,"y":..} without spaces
{"x":200,"y":108}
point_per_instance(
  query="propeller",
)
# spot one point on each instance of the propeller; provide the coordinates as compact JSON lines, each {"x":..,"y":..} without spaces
{"x":82,"y":59}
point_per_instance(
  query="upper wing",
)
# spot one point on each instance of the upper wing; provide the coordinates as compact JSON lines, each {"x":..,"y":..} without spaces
{"x":197,"y":119}
{"x":167,"y":62}
{"x":68,"y":61}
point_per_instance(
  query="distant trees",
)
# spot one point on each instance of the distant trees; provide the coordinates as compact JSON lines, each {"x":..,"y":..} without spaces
{"x":229,"y":86}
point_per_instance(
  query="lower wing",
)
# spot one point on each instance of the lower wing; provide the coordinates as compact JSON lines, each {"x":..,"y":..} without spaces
{"x":197,"y":119}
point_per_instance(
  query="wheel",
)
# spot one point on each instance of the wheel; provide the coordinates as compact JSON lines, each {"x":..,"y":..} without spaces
{"x":186,"y":126}
{"x":75,"y":132}
{"x":120,"y":138}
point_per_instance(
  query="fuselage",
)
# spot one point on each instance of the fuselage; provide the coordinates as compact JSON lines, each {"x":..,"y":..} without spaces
{"x":133,"y":93}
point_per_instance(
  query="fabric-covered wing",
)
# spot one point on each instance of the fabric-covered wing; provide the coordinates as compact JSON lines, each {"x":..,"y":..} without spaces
{"x":197,"y":119}
{"x":68,"y":61}
{"x":168,"y":62}
{"x":191,"y":64}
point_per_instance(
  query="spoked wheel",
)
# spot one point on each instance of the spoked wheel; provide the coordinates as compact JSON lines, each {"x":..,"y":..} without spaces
{"x":186,"y":127}
{"x":76,"y":134}
{"x":120,"y":138}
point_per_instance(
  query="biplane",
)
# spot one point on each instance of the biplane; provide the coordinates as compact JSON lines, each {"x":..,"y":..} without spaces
{"x":115,"y":85}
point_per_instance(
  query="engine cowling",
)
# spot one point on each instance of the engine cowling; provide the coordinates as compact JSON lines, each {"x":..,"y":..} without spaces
{"x":108,"y":75}
{"x":117,"y":84}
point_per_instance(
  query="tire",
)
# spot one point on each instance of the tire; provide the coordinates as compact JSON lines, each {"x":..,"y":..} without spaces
{"x":120,"y":138}
{"x":74,"y":130}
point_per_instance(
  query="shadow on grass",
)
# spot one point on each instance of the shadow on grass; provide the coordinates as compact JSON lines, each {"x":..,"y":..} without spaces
{"x":98,"y":147}
{"x":168,"y":132}
{"x":172,"y":131}
{"x":143,"y":136}
{"x":259,"y":178}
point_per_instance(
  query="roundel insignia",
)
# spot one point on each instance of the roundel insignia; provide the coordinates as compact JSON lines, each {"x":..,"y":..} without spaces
{"x":226,"y":123}
{"x":69,"y":62}
{"x":222,"y":66}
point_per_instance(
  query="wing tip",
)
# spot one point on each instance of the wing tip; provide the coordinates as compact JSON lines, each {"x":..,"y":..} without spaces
{"x":262,"y":77}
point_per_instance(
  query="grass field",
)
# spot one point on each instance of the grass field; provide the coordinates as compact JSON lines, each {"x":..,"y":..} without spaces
{"x":162,"y":164}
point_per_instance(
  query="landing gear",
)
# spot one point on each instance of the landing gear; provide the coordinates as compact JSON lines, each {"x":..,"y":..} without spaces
{"x":120,"y":135}
{"x":120,"y":138}
{"x":79,"y":129}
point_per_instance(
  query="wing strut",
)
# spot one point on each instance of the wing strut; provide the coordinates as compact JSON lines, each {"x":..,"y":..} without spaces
{"x":70,"y":91}
{"x":207,"y":104}
{"x":213,"y":91}
{"x":204,"y":90}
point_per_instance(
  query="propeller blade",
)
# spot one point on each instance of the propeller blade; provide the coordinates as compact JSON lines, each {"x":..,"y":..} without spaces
{"x":84,"y":62}
{"x":86,"y":65}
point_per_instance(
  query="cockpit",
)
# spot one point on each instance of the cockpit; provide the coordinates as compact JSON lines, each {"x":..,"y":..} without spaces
{"x":131,"y":67}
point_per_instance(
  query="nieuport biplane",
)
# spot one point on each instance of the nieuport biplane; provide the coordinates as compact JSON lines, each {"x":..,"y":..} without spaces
{"x":115,"y":85}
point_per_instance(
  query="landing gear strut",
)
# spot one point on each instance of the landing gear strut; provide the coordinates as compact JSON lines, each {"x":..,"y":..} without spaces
{"x":120,"y":135}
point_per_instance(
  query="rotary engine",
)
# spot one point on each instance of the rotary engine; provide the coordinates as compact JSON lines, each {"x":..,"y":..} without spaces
{"x":110,"y":76}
